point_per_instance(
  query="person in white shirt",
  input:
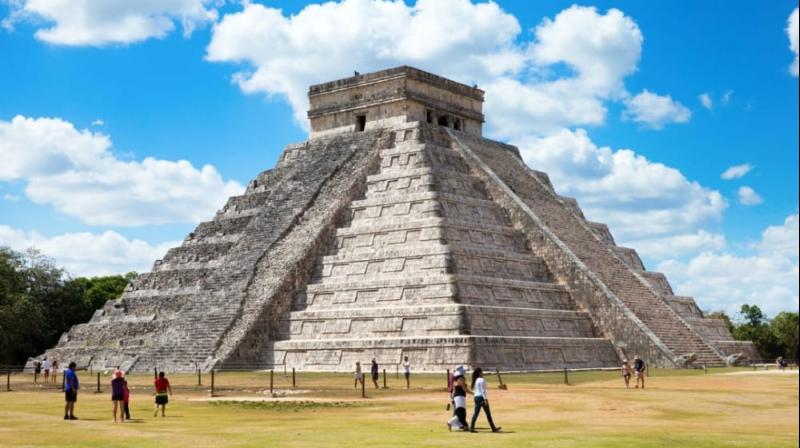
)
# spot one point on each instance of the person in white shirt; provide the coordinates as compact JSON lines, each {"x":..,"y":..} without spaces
{"x":47,"y":367}
{"x":481,"y":400}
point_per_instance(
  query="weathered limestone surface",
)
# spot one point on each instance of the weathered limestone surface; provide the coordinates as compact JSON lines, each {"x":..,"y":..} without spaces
{"x":396,"y":230}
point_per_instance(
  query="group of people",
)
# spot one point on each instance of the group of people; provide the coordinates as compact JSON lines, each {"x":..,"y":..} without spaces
{"x":358,"y":375}
{"x":639,"y":368}
{"x":47,"y":366}
{"x":120,"y":394}
{"x":457,"y":386}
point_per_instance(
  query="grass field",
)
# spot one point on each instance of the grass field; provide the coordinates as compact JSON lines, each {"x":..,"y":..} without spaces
{"x":724,"y":408}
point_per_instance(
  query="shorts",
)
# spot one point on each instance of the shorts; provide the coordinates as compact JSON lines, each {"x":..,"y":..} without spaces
{"x":117,"y":397}
{"x":70,"y":396}
{"x":162,"y":399}
{"x":639,"y":373}
{"x":627,"y":376}
{"x":37,"y":370}
{"x":406,"y":374}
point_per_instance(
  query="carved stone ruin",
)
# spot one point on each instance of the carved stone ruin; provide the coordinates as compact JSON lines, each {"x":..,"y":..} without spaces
{"x":397,"y":230}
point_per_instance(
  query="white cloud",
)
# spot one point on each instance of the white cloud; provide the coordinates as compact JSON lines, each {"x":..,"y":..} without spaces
{"x":638,"y":198}
{"x":748,"y":196}
{"x":282,"y":55}
{"x":10,"y":197}
{"x":678,"y":245}
{"x":454,"y":38}
{"x":89,"y":254}
{"x":98,"y":122}
{"x":783,"y":239}
{"x":655,"y":111}
{"x":792,"y":32}
{"x":736,"y":171}
{"x":76,"y":172}
{"x":767,"y":278}
{"x":706,"y":101}
{"x":104,"y":22}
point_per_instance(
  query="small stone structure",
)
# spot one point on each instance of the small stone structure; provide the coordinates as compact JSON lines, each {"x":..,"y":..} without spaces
{"x":397,"y":230}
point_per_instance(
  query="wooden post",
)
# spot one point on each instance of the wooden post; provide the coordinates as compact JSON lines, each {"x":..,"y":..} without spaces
{"x":363,"y":390}
{"x":397,"y":371}
{"x":212,"y":382}
{"x":447,"y":379}
{"x":500,"y":378}
{"x":98,"y":383}
{"x":384,"y":379}
{"x":8,"y":381}
{"x":271,"y":373}
{"x":199,"y":379}
{"x":155,"y":373}
{"x":566,"y":377}
{"x":294,"y":379}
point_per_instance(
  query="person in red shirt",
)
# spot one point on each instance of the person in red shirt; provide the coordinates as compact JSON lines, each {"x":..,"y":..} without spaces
{"x":126,"y":396}
{"x":162,"y":398}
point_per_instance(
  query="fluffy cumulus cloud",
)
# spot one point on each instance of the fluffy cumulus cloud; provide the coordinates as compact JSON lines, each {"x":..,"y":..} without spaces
{"x":480,"y":43}
{"x":748,"y":196}
{"x":76,"y":172}
{"x":88,"y":254}
{"x":103,"y":22}
{"x":638,"y":198}
{"x":736,"y":171}
{"x":655,"y":111}
{"x":792,"y":31}
{"x":767,"y":276}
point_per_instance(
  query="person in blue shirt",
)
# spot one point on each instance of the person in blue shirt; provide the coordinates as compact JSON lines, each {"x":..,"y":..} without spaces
{"x":71,"y":387}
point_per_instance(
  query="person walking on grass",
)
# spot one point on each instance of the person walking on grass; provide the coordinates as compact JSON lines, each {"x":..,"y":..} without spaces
{"x":71,"y":386}
{"x":481,"y":401}
{"x":459,"y":420}
{"x":126,"y":396}
{"x":374,"y":372}
{"x":626,"y":373}
{"x":118,"y":395}
{"x":358,"y":375}
{"x":639,"y":367}
{"x":162,"y":397}
{"x":407,"y":371}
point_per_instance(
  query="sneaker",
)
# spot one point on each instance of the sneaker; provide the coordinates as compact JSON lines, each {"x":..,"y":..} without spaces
{"x":72,"y":417}
{"x":66,"y":417}
{"x":449,"y":428}
{"x":497,"y":429}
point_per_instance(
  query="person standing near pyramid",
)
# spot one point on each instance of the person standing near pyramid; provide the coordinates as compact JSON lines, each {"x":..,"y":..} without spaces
{"x":481,"y":401}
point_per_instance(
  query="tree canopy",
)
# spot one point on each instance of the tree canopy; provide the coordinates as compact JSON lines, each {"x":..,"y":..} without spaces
{"x":39,"y":301}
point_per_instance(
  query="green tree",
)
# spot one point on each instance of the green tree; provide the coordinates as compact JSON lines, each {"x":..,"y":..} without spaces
{"x":754,"y":326}
{"x":786,"y":329}
{"x":38,"y":302}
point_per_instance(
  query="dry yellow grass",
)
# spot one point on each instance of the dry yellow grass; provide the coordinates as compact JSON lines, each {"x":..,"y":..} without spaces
{"x":678,"y":408}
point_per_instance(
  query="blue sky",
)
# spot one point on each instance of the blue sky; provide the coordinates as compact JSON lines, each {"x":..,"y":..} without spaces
{"x":605,"y":96}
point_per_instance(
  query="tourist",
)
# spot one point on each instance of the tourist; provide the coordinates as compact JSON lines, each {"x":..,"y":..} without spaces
{"x":55,"y":370}
{"x":481,"y":400}
{"x":47,"y":366}
{"x":71,"y":386}
{"x":639,"y":367}
{"x":358,"y":376}
{"x":37,"y":370}
{"x":407,"y":371}
{"x":626,"y":373}
{"x":126,"y":396}
{"x":459,"y":420}
{"x":118,"y":395}
{"x":162,"y":388}
{"x":781,"y":363}
{"x":374,"y":371}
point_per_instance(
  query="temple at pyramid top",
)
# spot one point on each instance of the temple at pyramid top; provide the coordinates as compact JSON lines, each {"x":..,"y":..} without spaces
{"x":393,"y":96}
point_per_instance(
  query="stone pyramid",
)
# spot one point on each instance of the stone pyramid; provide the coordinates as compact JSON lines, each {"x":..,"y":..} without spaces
{"x":397,"y":230}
